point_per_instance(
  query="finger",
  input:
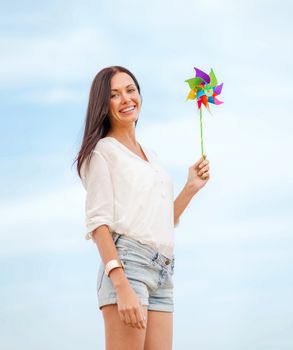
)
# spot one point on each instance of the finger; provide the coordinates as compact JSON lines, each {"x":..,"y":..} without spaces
{"x":203,"y":163}
{"x":137,"y":323}
{"x":140,"y":318}
{"x":205,"y":175}
{"x":196,"y":164}
{"x":126,"y":317}
{"x":122,"y":316}
{"x":133,"y":318}
{"x":203,"y":170}
{"x":144,"y":317}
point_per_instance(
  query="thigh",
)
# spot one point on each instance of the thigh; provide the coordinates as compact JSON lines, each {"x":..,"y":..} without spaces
{"x":119,"y":336}
{"x":159,"y":332}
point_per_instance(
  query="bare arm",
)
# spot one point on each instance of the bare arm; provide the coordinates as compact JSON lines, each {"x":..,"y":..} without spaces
{"x":99,"y":210}
{"x":182,"y":201}
{"x":198,"y":175}
{"x":108,"y":251}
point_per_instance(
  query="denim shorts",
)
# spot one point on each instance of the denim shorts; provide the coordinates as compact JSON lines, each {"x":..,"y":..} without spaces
{"x":149,"y":273}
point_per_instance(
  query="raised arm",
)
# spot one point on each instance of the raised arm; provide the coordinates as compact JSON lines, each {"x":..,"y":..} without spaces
{"x":198,"y":175}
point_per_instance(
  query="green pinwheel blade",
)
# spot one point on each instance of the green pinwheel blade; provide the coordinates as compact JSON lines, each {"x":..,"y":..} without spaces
{"x":214,"y":81}
{"x":193,"y":82}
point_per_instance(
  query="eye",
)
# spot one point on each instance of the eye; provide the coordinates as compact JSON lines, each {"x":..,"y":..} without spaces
{"x":114,"y":95}
{"x":131,"y":90}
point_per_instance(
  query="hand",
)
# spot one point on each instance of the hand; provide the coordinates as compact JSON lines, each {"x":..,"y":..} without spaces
{"x":198,"y":174}
{"x":130,"y":309}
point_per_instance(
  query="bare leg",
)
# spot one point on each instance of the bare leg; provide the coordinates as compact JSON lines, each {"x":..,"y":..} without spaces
{"x":119,"y":336}
{"x":159,"y":334}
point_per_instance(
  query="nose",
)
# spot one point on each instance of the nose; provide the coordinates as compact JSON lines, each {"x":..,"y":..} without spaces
{"x":124,"y":98}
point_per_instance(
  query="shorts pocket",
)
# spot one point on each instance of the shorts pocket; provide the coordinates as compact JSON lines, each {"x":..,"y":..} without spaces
{"x":138,"y":258}
{"x":122,"y":252}
{"x":133,"y":253}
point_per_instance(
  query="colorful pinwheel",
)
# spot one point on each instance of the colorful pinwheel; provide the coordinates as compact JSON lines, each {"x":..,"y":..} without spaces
{"x":204,"y":88}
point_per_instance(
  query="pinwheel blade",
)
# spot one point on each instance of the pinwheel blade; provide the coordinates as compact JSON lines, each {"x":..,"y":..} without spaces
{"x":218,"y":89}
{"x":207,"y":106}
{"x":200,"y":93}
{"x":193,"y":82}
{"x":200,"y":74}
{"x":214,"y":81}
{"x":191,"y":95}
{"x":217,"y":102}
{"x":204,"y":100}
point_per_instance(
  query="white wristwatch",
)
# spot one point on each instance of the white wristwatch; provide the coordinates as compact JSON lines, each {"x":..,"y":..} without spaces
{"x":112,"y":264}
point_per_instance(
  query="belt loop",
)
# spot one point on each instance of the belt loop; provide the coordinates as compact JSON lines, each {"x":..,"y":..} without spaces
{"x":155,"y":257}
{"x":116,"y":236}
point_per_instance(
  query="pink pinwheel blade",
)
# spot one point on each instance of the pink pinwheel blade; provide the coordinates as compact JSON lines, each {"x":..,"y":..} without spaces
{"x":217,"y":102}
{"x":200,"y":74}
{"x":218,"y":89}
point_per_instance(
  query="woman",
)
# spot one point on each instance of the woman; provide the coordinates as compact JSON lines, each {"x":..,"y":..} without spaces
{"x":130,"y":215}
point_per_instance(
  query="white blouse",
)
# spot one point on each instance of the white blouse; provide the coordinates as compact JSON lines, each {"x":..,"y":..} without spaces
{"x":132,"y":196}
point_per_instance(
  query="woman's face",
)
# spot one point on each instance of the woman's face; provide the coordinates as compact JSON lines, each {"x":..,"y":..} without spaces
{"x":125,"y":101}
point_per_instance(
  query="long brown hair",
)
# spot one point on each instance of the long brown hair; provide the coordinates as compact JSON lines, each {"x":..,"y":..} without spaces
{"x":97,"y":122}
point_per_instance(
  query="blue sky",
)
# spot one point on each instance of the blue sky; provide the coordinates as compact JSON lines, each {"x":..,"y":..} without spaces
{"x":234,"y":261}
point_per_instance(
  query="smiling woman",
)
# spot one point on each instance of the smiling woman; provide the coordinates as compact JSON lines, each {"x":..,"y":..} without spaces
{"x":130,"y":215}
{"x":98,"y":114}
{"x":125,"y":99}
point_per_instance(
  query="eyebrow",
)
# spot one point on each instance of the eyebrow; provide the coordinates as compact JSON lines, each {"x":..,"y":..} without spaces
{"x":126,"y":87}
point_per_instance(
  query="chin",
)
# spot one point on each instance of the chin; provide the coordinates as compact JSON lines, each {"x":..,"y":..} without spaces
{"x":129,"y":118}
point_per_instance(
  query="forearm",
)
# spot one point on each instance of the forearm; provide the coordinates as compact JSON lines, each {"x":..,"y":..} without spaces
{"x":108,"y":251}
{"x":182,"y":201}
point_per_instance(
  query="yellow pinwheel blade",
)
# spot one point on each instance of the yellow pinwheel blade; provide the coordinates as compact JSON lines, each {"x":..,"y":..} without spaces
{"x":191,"y":95}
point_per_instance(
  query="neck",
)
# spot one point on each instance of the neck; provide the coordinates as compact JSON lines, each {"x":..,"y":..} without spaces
{"x":124,"y":135}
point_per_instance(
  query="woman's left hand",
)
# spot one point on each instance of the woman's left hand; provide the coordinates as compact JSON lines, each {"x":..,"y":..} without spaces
{"x":198,"y":175}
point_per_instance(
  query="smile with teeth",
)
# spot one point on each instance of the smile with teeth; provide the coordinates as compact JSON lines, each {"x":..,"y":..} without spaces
{"x":127,"y":110}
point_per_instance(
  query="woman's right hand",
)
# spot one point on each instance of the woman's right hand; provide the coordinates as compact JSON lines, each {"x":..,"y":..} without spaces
{"x":130,"y":308}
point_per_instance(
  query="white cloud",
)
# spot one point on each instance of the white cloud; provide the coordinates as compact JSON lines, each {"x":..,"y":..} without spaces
{"x":54,"y":96}
{"x":43,"y":223}
{"x":52,"y":58}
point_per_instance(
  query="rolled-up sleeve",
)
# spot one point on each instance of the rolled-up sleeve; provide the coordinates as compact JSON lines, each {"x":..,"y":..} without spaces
{"x":99,"y":204}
